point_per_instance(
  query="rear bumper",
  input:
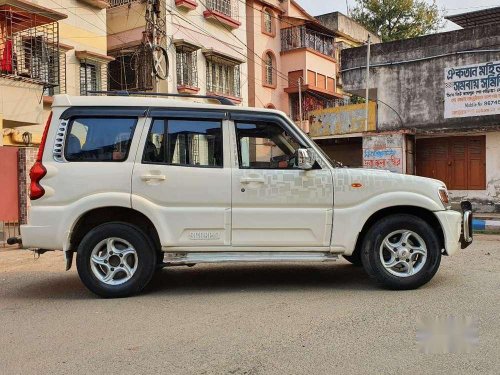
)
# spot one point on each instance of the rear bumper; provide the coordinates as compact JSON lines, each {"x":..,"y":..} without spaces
{"x":40,"y":237}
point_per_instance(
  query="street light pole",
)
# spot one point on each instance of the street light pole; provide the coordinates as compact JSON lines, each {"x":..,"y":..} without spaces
{"x":367,"y":95}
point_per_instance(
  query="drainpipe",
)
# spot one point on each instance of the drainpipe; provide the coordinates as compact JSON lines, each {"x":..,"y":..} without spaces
{"x":367,"y":81}
{"x":299,"y":83}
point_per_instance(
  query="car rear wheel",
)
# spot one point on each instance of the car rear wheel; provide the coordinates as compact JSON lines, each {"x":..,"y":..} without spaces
{"x":401,"y":252}
{"x":115,"y":260}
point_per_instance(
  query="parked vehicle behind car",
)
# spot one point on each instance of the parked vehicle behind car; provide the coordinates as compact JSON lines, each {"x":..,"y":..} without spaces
{"x":133,"y":184}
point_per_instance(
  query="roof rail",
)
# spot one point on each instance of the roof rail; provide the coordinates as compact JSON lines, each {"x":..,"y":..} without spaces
{"x":220,"y":99}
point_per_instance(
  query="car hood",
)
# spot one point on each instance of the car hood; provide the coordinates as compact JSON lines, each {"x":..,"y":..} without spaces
{"x":355,"y":184}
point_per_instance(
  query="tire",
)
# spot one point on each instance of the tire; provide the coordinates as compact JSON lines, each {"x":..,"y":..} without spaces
{"x":389,"y":267}
{"x":115,"y":260}
{"x":355,"y":258}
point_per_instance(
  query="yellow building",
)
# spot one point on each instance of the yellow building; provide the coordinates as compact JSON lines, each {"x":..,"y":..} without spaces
{"x":46,"y":48}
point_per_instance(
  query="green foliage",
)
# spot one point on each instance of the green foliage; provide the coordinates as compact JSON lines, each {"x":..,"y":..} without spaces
{"x":398,"y":19}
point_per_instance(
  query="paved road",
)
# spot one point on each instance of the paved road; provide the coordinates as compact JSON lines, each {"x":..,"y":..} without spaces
{"x":244,"y":319}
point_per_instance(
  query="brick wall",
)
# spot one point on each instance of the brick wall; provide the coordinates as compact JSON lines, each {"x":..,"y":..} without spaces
{"x":26,"y":158}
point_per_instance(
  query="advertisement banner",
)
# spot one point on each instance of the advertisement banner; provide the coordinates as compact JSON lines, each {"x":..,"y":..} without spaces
{"x":472,"y":90}
{"x":342,"y":120}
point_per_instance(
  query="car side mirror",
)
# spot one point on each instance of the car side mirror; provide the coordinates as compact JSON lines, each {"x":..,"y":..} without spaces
{"x":305,"y":159}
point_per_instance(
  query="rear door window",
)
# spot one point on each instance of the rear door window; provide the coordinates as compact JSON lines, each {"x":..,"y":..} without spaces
{"x":191,"y":143}
{"x":99,"y":139}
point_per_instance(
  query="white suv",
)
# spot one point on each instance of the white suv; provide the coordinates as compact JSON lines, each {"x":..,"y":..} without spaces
{"x":133,"y":184}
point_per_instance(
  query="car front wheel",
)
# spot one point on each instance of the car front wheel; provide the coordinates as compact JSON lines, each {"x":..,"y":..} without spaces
{"x":115,"y":260}
{"x":401,"y":252}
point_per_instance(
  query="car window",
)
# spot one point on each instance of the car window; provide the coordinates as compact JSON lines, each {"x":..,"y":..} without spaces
{"x":195,"y":143}
{"x":265,"y":145}
{"x":99,"y":139}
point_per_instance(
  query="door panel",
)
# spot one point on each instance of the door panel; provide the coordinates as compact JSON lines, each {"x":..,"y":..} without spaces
{"x":290,"y":208}
{"x":477,"y":162}
{"x":273,"y":203}
{"x":184,"y":181}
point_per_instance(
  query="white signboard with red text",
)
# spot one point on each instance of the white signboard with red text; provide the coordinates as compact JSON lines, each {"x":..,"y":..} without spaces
{"x":472,"y":90}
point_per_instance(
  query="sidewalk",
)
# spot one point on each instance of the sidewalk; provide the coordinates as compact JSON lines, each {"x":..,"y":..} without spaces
{"x":486,"y":222}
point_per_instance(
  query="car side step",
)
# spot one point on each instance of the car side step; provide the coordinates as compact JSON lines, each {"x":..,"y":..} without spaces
{"x":178,"y":259}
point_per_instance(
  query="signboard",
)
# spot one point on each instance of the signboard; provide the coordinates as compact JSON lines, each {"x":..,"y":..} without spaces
{"x":342,"y":120}
{"x":472,"y":90}
{"x":384,"y":152}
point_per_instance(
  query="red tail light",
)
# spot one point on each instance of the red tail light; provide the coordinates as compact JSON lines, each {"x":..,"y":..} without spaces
{"x":37,"y":171}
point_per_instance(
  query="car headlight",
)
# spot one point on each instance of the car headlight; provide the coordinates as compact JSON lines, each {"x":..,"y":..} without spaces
{"x":443,"y":195}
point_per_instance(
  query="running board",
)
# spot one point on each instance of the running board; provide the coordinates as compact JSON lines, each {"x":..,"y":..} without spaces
{"x":178,"y":259}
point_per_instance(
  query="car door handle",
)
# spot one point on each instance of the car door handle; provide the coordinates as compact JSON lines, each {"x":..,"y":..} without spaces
{"x":149,"y":177}
{"x":248,"y":180}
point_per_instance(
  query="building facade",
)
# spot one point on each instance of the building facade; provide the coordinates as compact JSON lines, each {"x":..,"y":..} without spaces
{"x":46,"y":47}
{"x":290,"y":52}
{"x":438,"y":108}
{"x":204,"y":43}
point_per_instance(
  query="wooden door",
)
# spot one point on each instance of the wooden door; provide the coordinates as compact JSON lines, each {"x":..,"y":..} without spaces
{"x":460,"y":162}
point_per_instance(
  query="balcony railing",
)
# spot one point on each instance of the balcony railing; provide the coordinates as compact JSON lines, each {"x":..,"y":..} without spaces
{"x":118,"y":3}
{"x":302,"y":37}
{"x":29,"y":49}
{"x":226,"y":7}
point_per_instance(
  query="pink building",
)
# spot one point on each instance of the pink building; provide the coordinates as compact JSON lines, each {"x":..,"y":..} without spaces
{"x":289,"y":51}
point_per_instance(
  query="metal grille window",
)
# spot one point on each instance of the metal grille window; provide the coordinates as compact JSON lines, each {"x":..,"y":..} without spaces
{"x":29,"y":47}
{"x":269,"y":71}
{"x":268,"y":21}
{"x":187,"y":68}
{"x":223,"y":79}
{"x":61,"y":88}
{"x":123,"y":72}
{"x":227,"y":7}
{"x":89,"y":79}
{"x":309,"y":103}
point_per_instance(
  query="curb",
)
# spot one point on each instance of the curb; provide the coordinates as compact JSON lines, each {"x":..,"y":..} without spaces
{"x":486,"y":226}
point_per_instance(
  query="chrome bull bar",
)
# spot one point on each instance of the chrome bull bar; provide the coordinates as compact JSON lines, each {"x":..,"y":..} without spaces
{"x":467,"y":217}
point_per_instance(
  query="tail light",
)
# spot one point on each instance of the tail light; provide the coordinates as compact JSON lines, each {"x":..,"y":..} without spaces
{"x":38,"y":171}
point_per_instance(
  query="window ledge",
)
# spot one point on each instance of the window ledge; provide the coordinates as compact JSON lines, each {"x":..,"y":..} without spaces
{"x":100,"y":4}
{"x":234,"y":99}
{"x":221,"y":17}
{"x":187,"y":89}
{"x":271,"y":34}
{"x":186,"y":4}
{"x":273,"y":86}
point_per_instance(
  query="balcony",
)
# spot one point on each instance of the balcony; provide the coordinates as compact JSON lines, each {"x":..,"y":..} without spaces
{"x":223,"y":12}
{"x":29,"y":43}
{"x":302,"y":37}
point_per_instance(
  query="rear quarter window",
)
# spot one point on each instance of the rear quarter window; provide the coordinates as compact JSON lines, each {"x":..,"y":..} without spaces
{"x":99,"y":139}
